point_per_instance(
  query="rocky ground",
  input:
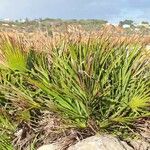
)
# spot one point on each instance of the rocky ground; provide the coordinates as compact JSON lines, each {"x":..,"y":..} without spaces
{"x":102,"y":142}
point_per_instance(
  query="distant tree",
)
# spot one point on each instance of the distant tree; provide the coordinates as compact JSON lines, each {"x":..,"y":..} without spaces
{"x":128,"y":22}
{"x":16,"y":21}
{"x":73,"y":20}
{"x":145,"y":22}
{"x":40,"y":19}
{"x":26,"y":20}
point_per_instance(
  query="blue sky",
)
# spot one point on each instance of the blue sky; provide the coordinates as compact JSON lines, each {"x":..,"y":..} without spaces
{"x":111,"y":10}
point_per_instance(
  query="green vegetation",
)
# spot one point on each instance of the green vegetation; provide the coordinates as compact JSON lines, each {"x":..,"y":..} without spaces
{"x":48,"y":25}
{"x":97,"y":84}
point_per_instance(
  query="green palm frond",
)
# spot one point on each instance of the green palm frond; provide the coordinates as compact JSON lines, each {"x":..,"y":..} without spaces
{"x":14,"y":57}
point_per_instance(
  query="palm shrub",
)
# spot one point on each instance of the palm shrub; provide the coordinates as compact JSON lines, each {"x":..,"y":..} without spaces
{"x":17,"y":97}
{"x":14,"y":87}
{"x":98,"y":81}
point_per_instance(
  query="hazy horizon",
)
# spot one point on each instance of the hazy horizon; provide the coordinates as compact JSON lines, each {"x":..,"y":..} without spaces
{"x":112,"y":11}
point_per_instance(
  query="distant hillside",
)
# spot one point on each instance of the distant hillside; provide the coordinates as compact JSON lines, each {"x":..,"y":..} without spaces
{"x":58,"y":24}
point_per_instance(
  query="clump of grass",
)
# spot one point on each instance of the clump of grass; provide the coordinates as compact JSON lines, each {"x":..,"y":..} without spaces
{"x":98,"y":83}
